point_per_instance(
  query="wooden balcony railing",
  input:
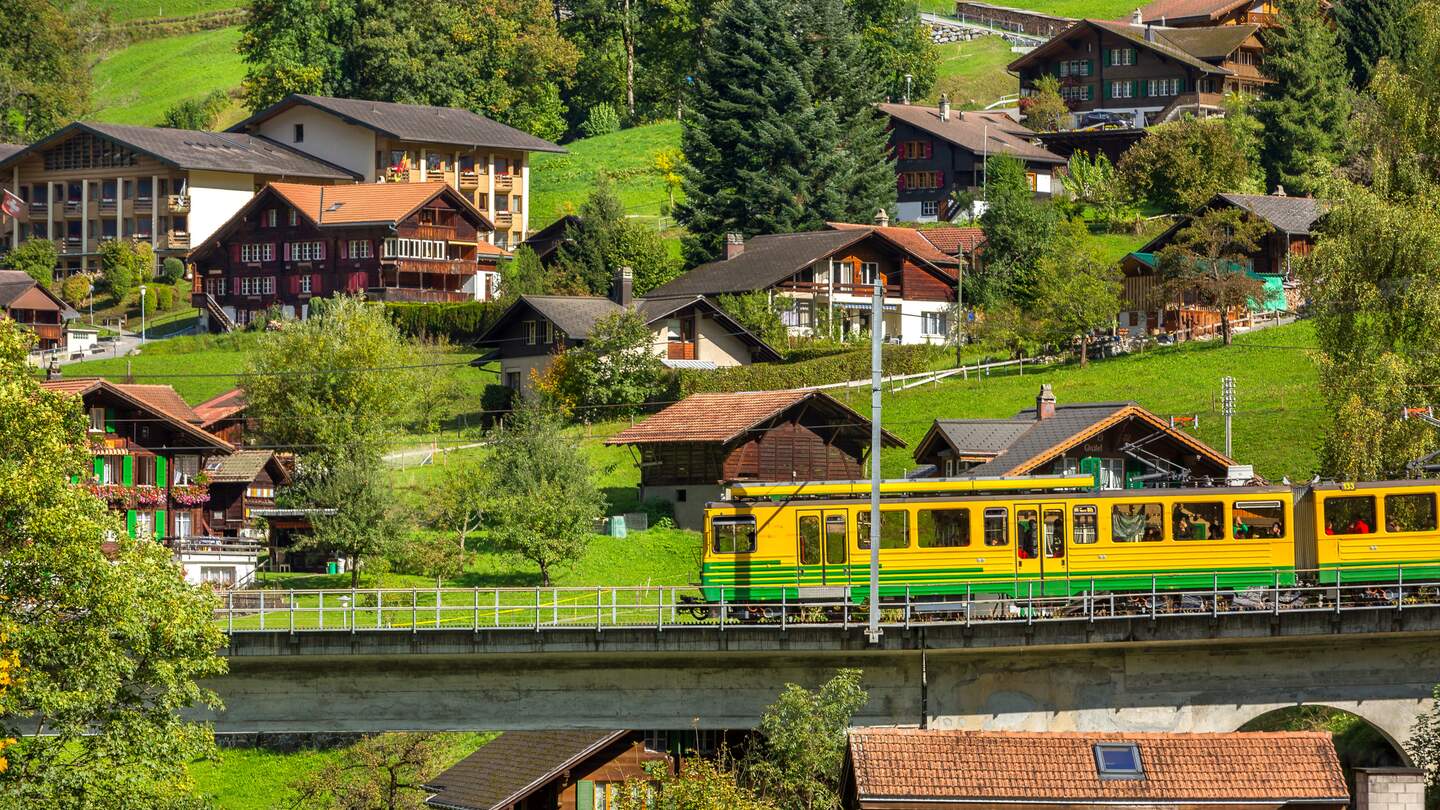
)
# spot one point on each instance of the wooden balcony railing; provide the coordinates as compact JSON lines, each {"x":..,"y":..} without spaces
{"x":442,"y":233}
{"x":678,"y":350}
{"x":178,"y":204}
{"x":470,"y":179}
{"x":416,"y":295}
{"x":822,"y":288}
{"x":177,"y":240}
{"x":70,"y":244}
{"x":504,"y":182}
{"x":455,"y":267}
{"x":502,"y":219}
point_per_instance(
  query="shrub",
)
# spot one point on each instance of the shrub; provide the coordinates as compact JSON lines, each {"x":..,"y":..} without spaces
{"x":602,"y":120}
{"x":75,"y":289}
{"x":148,"y":300}
{"x":852,"y":365}
{"x":457,"y":322}
{"x":496,"y":401}
{"x":164,"y":297}
{"x":34,"y":257}
{"x":172,"y":270}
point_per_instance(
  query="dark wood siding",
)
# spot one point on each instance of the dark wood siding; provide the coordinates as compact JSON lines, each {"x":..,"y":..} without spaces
{"x":924,"y":285}
{"x":789,"y":451}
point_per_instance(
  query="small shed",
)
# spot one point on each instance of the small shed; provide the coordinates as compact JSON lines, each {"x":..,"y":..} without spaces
{"x":949,"y":770}
{"x":688,"y":452}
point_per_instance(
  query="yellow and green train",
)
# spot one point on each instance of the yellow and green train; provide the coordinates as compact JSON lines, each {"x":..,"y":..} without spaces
{"x":1059,"y":535}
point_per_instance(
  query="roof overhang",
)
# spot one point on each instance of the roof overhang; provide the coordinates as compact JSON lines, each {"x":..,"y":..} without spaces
{"x":1114,"y":419}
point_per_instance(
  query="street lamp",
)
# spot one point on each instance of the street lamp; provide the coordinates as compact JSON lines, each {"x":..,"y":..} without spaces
{"x":142,"y":314}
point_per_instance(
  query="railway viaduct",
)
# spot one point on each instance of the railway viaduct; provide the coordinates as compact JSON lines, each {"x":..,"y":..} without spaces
{"x":1172,"y":673}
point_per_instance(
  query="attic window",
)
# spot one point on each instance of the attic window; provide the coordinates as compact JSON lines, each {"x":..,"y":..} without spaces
{"x":1118,"y":761}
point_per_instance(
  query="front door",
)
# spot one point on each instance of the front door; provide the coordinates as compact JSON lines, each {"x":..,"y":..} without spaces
{"x":821,"y":536}
{"x":1039,"y":541}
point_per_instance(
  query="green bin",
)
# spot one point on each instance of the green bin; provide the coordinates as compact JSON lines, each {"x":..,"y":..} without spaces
{"x":332,"y":566}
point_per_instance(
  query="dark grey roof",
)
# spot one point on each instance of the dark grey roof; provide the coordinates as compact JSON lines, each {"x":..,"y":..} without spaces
{"x":1136,"y":34}
{"x":239,"y":467}
{"x":982,"y":437}
{"x":512,"y":766}
{"x":1285,"y":214}
{"x":575,"y":315}
{"x":766,"y":261}
{"x":8,"y":149}
{"x":413,"y":122}
{"x":1068,"y":423}
{"x":192,"y":149}
{"x":15,"y":283}
{"x":980,"y":133}
{"x":1209,"y":41}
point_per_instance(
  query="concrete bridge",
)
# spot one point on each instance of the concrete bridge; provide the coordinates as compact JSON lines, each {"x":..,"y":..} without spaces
{"x":1175,"y":672}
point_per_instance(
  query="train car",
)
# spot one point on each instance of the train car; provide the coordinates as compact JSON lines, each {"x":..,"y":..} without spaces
{"x":1366,"y":532}
{"x":1042,"y":536}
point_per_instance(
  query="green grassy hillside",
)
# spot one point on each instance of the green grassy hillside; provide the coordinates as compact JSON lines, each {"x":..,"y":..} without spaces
{"x":135,"y":85}
{"x":1095,"y":9}
{"x":973,"y":73}
{"x":122,"y":10}
{"x":560,"y":183}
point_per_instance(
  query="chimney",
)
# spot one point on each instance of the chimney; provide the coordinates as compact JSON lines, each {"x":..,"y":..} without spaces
{"x":1138,"y":17}
{"x":1389,"y":789}
{"x":1149,"y":33}
{"x":1279,"y":191}
{"x":882,"y":218}
{"x":734,"y":245}
{"x":944,"y":106}
{"x":1045,"y":403}
{"x":624,"y":283}
{"x":52,"y":372}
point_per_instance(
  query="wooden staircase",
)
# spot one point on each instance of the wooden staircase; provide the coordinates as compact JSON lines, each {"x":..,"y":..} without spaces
{"x":219,"y":321}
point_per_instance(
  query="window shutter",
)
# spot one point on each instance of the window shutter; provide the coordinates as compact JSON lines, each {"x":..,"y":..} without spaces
{"x":900,"y":181}
{"x":1089,"y":67}
{"x":159,"y":524}
{"x":130,"y":522}
{"x":1131,"y":87}
{"x":315,"y":284}
{"x":1142,"y":90}
{"x":1134,"y":56}
{"x":294,"y":285}
{"x":929,"y":149}
{"x":1108,"y":51}
{"x":287,"y":251}
{"x":99,"y":468}
{"x":1109,"y":90}
{"x":940,"y":180}
{"x":274,"y":250}
{"x":235,"y":253}
{"x":584,"y":795}
{"x":160,"y":479}
{"x":127,"y":471}
{"x":235,"y":286}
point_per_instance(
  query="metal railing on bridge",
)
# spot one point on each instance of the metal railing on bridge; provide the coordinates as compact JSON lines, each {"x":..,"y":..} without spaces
{"x":666,"y":608}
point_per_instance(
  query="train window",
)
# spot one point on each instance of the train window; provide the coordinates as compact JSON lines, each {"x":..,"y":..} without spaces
{"x":1054,"y":532}
{"x":835,"y":540}
{"x":1086,"y":529}
{"x":1027,"y":547}
{"x":943,"y":528}
{"x":1350,"y":514}
{"x":734,"y":534}
{"x":894,"y":529}
{"x":1198,"y":521}
{"x":1136,"y":522}
{"x":1258,"y":519}
{"x":1410,"y":513}
{"x":997,"y":526}
{"x":809,"y":540}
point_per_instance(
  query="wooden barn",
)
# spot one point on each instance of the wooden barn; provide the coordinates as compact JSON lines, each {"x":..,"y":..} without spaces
{"x":688,"y":452}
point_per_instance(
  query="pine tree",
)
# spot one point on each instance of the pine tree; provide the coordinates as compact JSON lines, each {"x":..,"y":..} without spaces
{"x":1372,"y":30}
{"x":1308,"y":106}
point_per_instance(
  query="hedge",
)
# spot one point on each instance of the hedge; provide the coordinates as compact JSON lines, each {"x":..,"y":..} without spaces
{"x":458,"y":322}
{"x":852,"y":365}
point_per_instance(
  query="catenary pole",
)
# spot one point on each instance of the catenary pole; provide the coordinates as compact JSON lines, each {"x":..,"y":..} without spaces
{"x":877,"y":338}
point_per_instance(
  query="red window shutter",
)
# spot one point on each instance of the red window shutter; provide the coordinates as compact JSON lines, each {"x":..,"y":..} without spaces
{"x":315,"y":284}
{"x":294,"y":285}
{"x":235,"y":286}
{"x":344,"y":249}
{"x":274,"y":249}
{"x":900,"y":181}
{"x":929,"y":147}
{"x":287,"y":251}
{"x":235,"y":253}
{"x":939,"y":179}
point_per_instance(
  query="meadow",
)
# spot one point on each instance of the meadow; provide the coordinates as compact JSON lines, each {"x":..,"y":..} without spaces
{"x":973,"y":73}
{"x":560,"y":183}
{"x":136,"y":84}
{"x":122,"y":10}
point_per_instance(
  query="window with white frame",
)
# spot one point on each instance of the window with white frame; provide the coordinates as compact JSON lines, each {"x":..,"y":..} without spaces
{"x":267,"y":218}
{"x":307,"y":251}
{"x":1075,"y":92}
{"x":305,"y":284}
{"x":185,"y":469}
{"x":294,"y":217}
{"x":1122,"y":57}
{"x":531,"y":333}
{"x":360,"y":249}
{"x":215,"y":287}
{"x":396,"y":248}
{"x":933,"y":323}
{"x":258,"y":285}
{"x":1124,"y":89}
{"x":1164,"y":87}
{"x":257,"y":252}
{"x":929,"y":208}
{"x":1075,"y":67}
{"x":869,"y":272}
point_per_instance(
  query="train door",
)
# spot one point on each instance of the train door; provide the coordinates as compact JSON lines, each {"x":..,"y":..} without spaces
{"x":1039,"y":541}
{"x":821,"y":535}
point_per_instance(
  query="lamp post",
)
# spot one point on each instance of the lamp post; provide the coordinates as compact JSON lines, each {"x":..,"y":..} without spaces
{"x":142,"y":314}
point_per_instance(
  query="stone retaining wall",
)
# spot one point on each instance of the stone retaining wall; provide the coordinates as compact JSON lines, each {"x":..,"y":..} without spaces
{"x":1012,"y":19}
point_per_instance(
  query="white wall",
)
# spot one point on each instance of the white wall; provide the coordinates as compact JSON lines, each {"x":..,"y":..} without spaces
{"x":912,"y":325}
{"x":1042,"y":182}
{"x":717,"y":345}
{"x":214,"y":198}
{"x":910,"y":212}
{"x":524,"y":366}
{"x":326,"y":137}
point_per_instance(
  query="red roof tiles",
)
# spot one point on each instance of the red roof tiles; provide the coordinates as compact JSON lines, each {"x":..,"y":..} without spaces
{"x":227,"y":404}
{"x":722,"y":417}
{"x":968,"y":766}
{"x":160,"y":399}
{"x":908,"y":239}
{"x":955,"y":241}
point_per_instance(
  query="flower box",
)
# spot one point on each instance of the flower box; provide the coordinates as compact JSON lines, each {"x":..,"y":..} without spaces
{"x":190,"y":495}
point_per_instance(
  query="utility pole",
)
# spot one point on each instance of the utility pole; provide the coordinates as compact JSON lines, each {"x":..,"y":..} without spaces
{"x":1227,"y":407}
{"x":877,"y":338}
{"x":960,"y":314}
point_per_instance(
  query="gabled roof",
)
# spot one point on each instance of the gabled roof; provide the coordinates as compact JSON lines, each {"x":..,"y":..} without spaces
{"x":656,"y":309}
{"x":196,"y":150}
{"x":724,"y":417}
{"x":1288,"y":215}
{"x":575,"y":315}
{"x":160,"y":400}
{"x":15,"y":283}
{"x":221,"y":407}
{"x":909,"y":239}
{"x":1165,"y":12}
{"x":766,"y":260}
{"x":241,"y":467}
{"x":974,"y":767}
{"x":548,"y":239}
{"x":512,"y":766}
{"x":373,"y":203}
{"x":1211,"y":42}
{"x":8,"y":149}
{"x":1168,"y":42}
{"x":980,"y":134}
{"x":973,"y":438}
{"x":955,"y":241}
{"x":411,"y":122}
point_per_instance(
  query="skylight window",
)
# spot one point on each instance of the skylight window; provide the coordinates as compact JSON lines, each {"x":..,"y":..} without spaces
{"x":1118,"y":761}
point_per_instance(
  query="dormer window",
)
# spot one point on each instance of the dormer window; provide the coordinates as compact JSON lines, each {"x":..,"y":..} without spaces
{"x":1118,"y":761}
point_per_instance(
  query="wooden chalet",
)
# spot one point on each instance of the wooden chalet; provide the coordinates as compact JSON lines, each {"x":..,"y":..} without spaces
{"x":1291,"y":219}
{"x":30,"y":304}
{"x":691,"y":450}
{"x":241,"y":483}
{"x":545,"y":770}
{"x":390,"y":241}
{"x":224,"y":416}
{"x":1207,"y":13}
{"x":1121,"y":443}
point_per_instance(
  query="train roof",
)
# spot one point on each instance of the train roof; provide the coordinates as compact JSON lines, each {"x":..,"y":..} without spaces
{"x":1344,"y":486}
{"x":1270,"y":490}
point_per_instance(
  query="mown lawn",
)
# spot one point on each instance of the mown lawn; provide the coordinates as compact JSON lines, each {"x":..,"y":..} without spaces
{"x":261,"y":779}
{"x":121,"y":10}
{"x":198,"y":366}
{"x":135,"y":85}
{"x":973,"y":73}
{"x":1278,"y":421}
{"x":560,"y":183}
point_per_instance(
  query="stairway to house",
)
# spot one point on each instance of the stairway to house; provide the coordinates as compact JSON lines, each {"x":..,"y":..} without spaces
{"x":219,"y":321}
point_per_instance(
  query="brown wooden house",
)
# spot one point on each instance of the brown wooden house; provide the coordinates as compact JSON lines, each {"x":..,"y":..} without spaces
{"x":689,"y":451}
{"x":1206,"y":13}
{"x":545,"y":770}
{"x":29,"y":304}
{"x":224,"y":415}
{"x":1121,"y":443}
{"x":390,"y":241}
{"x":241,"y":482}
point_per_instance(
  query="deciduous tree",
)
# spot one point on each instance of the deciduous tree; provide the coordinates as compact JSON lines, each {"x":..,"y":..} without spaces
{"x":803,"y":737}
{"x":1019,"y":231}
{"x":35,"y":258}
{"x":617,"y":369}
{"x":1305,"y":112}
{"x":110,"y":650}
{"x":383,"y":772}
{"x":1045,"y":110}
{"x":1179,"y":166}
{"x":1207,"y":260}
{"x":44,"y":73}
{"x":1079,"y":291}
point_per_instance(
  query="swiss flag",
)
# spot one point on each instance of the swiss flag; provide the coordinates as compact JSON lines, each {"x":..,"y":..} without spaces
{"x":13,"y":206}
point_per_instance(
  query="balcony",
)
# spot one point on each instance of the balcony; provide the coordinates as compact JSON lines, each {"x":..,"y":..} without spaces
{"x":108,"y":205}
{"x":453,"y":267}
{"x":504,"y":182}
{"x":38,"y":207}
{"x":178,"y":204}
{"x":72,"y":207}
{"x":410,"y":294}
{"x":502,"y":219}
{"x":679,"y":350}
{"x":177,"y":240}
{"x":469,"y":179}
{"x":825,"y":288}
{"x":435,"y":175}
{"x":437,"y":233}
{"x":70,"y":244}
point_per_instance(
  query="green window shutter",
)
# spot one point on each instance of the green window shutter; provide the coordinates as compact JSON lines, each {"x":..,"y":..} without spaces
{"x":160,"y":479}
{"x":584,"y":795}
{"x":99,"y":468}
{"x":1089,"y":92}
{"x":130,"y":522}
{"x":1131,"y":84}
{"x":1109,"y":90}
{"x":1143,"y":90}
{"x":1134,"y":56}
{"x":127,"y":471}
{"x":1107,"y":57}
{"x":1089,"y":67}
{"x":1091,"y":466}
{"x":159,"y":524}
{"x":109,"y":421}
